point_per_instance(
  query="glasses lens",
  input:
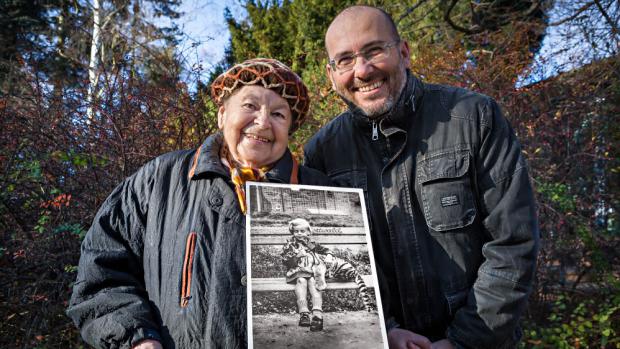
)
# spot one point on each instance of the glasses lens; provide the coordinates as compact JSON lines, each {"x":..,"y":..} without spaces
{"x":378,"y":53}
{"x":345,"y":63}
{"x":373,"y":55}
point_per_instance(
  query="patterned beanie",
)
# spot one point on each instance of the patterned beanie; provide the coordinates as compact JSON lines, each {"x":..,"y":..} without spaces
{"x":271,"y":74}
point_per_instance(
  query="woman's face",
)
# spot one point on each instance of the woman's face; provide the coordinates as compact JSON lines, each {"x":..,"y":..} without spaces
{"x":255,"y":122}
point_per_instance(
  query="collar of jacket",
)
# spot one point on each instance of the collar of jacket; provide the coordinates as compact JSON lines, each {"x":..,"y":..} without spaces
{"x":207,"y":162}
{"x":400,"y":115}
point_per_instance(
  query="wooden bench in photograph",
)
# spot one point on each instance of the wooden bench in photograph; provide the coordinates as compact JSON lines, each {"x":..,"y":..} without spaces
{"x":279,"y":284}
{"x":354,"y":237}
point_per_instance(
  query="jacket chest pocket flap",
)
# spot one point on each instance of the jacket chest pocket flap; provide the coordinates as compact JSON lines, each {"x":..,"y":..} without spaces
{"x":447,"y":197}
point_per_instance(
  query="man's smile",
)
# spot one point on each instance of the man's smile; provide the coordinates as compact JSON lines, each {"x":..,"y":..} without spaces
{"x":369,"y":87}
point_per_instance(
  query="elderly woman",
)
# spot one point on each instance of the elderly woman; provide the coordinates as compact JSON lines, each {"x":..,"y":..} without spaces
{"x":163,"y":263}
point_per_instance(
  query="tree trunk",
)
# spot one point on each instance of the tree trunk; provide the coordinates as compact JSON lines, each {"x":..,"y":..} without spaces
{"x":95,"y":46}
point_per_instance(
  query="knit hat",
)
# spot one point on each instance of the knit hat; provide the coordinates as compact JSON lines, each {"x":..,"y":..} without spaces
{"x":268,"y":73}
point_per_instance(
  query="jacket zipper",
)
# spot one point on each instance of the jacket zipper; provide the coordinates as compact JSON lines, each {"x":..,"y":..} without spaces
{"x":375,"y":132}
{"x":186,"y":280}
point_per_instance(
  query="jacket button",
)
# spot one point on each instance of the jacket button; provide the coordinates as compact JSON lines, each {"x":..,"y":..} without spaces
{"x":244,"y":280}
{"x":216,"y":201}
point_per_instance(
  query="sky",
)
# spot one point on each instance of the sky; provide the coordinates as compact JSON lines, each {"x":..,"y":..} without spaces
{"x":206,"y":33}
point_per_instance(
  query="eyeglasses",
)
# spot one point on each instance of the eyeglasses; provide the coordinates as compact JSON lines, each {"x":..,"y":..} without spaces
{"x":373,"y":54}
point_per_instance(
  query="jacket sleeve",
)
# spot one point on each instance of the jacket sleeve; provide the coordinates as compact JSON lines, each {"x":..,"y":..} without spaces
{"x":500,"y":292}
{"x":109,"y":303}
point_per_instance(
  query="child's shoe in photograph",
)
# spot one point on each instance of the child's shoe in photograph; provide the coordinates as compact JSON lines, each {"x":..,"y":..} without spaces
{"x":304,"y":320}
{"x":316,"y":324}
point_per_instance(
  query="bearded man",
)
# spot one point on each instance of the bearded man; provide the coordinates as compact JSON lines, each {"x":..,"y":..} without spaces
{"x":451,"y":207}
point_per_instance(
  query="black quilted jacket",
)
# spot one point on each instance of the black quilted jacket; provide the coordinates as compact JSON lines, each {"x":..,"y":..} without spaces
{"x":165,"y":256}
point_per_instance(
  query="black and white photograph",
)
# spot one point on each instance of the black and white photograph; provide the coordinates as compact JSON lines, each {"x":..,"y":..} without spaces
{"x":311,"y":273}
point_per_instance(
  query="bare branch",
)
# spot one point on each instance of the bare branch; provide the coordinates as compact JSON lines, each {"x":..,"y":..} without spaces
{"x":614,"y":29}
{"x":410,"y":10}
{"x":574,"y":15}
{"x":530,"y":11}
{"x":471,"y":30}
{"x":426,"y":14}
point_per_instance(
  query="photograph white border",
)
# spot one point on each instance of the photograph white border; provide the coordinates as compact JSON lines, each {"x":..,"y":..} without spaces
{"x":248,"y":245}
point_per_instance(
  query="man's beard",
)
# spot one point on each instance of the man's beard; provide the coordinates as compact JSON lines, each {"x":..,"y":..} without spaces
{"x":381,"y":109}
{"x":378,"y":111}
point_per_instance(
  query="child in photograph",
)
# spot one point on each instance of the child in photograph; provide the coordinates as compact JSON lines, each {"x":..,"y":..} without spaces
{"x":307,"y":271}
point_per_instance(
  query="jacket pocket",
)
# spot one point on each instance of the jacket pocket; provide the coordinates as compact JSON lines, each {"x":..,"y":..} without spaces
{"x":188,"y":262}
{"x":447,"y":196}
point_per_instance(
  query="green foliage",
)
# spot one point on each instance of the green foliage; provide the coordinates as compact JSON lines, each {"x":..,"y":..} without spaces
{"x":599,"y":260}
{"x":559,"y":194}
{"x":578,"y":324}
{"x":42,"y":222}
{"x":79,"y":160}
{"x":75,"y":229}
{"x":71,"y":268}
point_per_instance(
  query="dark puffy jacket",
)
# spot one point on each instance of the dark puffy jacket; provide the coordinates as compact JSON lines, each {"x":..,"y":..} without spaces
{"x":165,"y":256}
{"x":452,"y":212}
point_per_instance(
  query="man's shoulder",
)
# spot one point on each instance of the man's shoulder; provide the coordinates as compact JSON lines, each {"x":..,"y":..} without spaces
{"x":453,"y":91}
{"x":457,"y":101}
{"x":338,"y":126}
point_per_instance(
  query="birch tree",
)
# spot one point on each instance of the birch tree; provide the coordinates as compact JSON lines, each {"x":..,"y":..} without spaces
{"x":92,"y":64}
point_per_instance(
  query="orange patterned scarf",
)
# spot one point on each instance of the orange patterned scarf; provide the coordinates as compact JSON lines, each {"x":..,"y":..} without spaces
{"x":240,"y":174}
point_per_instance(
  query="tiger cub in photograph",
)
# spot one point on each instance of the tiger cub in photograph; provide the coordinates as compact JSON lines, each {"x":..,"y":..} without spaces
{"x":340,"y":268}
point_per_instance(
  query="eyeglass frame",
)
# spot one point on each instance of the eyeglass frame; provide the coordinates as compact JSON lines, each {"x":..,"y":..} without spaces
{"x":386,"y":46}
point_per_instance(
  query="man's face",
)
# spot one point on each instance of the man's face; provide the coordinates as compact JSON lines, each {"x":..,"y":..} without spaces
{"x":372,"y":87}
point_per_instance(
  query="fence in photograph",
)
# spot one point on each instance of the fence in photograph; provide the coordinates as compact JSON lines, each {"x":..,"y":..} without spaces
{"x":291,"y":201}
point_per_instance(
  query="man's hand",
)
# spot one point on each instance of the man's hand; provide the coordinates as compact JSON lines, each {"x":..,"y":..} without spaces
{"x":403,"y":339}
{"x":148,"y":344}
{"x":443,"y":344}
